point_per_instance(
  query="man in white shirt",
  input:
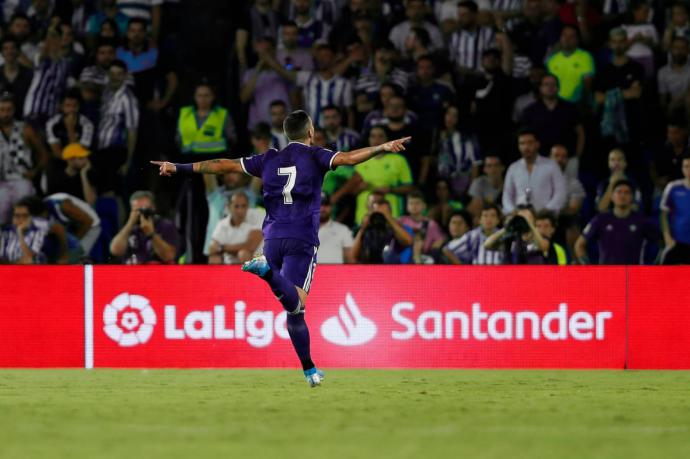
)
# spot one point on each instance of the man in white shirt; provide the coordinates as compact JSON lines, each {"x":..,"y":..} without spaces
{"x":533,"y":180}
{"x":335,"y":238}
{"x":235,"y":240}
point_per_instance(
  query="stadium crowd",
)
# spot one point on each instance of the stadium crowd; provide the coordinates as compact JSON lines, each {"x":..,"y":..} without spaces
{"x":543,"y":131}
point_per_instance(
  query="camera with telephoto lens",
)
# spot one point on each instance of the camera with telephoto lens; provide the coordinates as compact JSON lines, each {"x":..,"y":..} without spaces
{"x":146,"y":212}
{"x":516,"y":227}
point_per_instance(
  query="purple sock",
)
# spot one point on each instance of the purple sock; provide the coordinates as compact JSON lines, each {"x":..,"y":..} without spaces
{"x":284,"y":290}
{"x":299,"y":335}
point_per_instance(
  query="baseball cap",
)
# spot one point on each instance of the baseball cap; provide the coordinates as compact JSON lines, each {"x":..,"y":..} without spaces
{"x":74,"y":150}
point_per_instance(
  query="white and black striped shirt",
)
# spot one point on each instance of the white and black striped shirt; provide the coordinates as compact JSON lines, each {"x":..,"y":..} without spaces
{"x":318,"y":93}
{"x":466,"y":47}
{"x":346,"y":140}
{"x":10,"y":248}
{"x":48,"y":83}
{"x":369,"y":83}
{"x":469,"y":248}
{"x":119,"y":112}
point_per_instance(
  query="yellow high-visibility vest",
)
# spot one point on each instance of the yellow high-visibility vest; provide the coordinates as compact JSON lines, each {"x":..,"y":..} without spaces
{"x":207,"y":138}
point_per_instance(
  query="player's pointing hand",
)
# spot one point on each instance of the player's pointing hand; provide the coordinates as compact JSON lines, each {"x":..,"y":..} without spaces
{"x":395,"y":145}
{"x":166,"y":169}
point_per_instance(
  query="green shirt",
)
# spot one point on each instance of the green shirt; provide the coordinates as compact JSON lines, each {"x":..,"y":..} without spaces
{"x":337,"y":178}
{"x":386,"y":170}
{"x":571,"y":71}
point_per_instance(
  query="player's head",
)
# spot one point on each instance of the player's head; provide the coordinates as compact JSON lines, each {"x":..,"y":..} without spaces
{"x":298,"y":127}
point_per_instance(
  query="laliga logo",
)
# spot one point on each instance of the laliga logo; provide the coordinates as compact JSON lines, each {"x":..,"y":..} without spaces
{"x":129,"y":320}
{"x":349,"y":327}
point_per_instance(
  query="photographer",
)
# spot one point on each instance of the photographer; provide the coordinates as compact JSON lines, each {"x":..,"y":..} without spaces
{"x":521,"y":242}
{"x":146,"y":237}
{"x":380,"y":230}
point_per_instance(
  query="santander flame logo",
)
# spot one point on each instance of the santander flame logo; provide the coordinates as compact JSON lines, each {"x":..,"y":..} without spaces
{"x":129,"y":319}
{"x":349,"y":327}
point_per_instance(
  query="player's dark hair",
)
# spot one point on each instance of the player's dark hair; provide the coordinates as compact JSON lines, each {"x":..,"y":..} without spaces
{"x":34,"y":204}
{"x":464,"y":215}
{"x":546,"y":215}
{"x":296,"y":125}
{"x":262,"y":131}
{"x":527,"y":131}
{"x":469,"y":4}
{"x":492,"y":206}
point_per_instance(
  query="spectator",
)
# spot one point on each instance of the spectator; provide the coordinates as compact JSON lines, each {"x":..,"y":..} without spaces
{"x":310,"y":29}
{"x":382,"y":71}
{"x":667,"y":161}
{"x":617,"y":165}
{"x":339,"y":138}
{"x":278,"y":112}
{"x":674,"y":77}
{"x":487,"y":188}
{"x":459,"y":156}
{"x":77,"y":178}
{"x":148,"y":11}
{"x":377,"y":117}
{"x":20,"y":29}
{"x":15,"y":78}
{"x":69,"y":126}
{"x":526,"y":33}
{"x":642,"y":36}
{"x":71,"y":49}
{"x":426,"y":231}
{"x":536,"y":74}
{"x":146,"y":237}
{"x":575,"y":192}
{"x":546,"y":226}
{"x":469,"y":248}
{"x":675,"y":218}
{"x":533,"y":180}
{"x":94,"y":79}
{"x":620,"y":82}
{"x":40,"y":14}
{"x":445,"y":206}
{"x":460,"y":224}
{"x":521,"y":242}
{"x":148,"y":66}
{"x":415,"y":10}
{"x":378,"y":230}
{"x":107,"y":11}
{"x":679,"y":26}
{"x":117,"y":129}
{"x":554,"y":120}
{"x":388,"y":173}
{"x":81,"y":222}
{"x":290,"y":55}
{"x":49,"y":81}
{"x":235,"y":240}
{"x":320,"y":88}
{"x":335,"y":238}
{"x":429,"y":98}
{"x":620,"y":234}
{"x":204,"y":131}
{"x":258,"y":22}
{"x":468,"y":43}
{"x":22,"y":157}
{"x":262,"y":85}
{"x":22,"y":240}
{"x":573,"y":66}
{"x":417,"y":44}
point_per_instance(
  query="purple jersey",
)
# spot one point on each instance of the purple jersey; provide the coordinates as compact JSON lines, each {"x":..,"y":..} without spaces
{"x":292,"y":180}
{"x":621,"y":240}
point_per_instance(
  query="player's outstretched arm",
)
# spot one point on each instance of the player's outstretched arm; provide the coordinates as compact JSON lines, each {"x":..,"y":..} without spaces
{"x":213,"y":166}
{"x":359,"y":156}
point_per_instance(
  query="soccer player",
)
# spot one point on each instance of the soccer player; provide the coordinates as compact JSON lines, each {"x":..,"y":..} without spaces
{"x":292,"y":180}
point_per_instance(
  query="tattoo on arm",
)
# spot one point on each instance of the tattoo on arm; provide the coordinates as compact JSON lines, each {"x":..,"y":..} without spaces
{"x":217,"y":166}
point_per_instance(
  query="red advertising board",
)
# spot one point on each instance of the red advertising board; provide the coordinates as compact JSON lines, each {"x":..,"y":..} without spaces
{"x":384,"y":317}
{"x":41,"y":316}
{"x":659,"y":317}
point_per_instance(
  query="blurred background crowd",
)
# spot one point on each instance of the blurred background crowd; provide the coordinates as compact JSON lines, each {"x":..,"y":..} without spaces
{"x":543,"y":131}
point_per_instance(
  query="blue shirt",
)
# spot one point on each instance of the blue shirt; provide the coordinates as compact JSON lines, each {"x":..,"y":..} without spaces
{"x":676,"y":201}
{"x":292,"y":180}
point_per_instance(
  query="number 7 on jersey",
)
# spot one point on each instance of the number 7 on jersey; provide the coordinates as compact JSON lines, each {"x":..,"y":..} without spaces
{"x":291,"y":172}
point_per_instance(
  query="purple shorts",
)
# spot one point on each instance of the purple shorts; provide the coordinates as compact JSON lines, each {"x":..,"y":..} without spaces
{"x":294,"y":259}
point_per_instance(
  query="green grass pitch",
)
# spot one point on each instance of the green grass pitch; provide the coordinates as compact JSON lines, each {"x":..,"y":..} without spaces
{"x":355,"y":414}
